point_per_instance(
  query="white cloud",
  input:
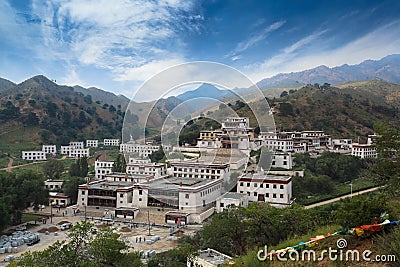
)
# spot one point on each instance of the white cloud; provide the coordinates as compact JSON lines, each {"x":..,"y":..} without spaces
{"x":255,"y":39}
{"x":374,"y":45}
{"x":125,"y":37}
{"x":147,"y":70}
{"x":72,"y":78}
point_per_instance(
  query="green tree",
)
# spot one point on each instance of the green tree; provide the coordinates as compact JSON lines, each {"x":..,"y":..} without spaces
{"x":226,"y":232}
{"x":157,"y":156}
{"x":86,"y":246}
{"x":119,"y":164}
{"x":284,"y":93}
{"x":389,"y":244}
{"x":70,"y":187}
{"x":176,"y":257}
{"x":359,"y":210}
{"x":18,"y":192}
{"x":79,"y":168}
{"x":387,"y":169}
{"x":53,"y":168}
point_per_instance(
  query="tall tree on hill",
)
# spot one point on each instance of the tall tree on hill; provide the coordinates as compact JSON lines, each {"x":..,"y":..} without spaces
{"x":387,"y":169}
{"x":18,"y":192}
{"x":70,"y":188}
{"x":119,"y":164}
{"x":79,"y":168}
{"x":157,"y":156}
{"x":53,"y":169}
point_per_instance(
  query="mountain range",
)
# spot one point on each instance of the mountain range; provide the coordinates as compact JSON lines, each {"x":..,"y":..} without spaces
{"x":59,"y":113}
{"x":387,"y":69}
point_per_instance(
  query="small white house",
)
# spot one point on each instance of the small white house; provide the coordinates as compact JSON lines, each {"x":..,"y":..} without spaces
{"x":149,"y":168}
{"x":92,"y":143}
{"x":33,"y":155}
{"x":282,"y":160}
{"x":78,"y":153}
{"x":276,"y":190}
{"x":111,"y":142}
{"x":49,"y":149}
{"x":102,"y":168}
{"x":363,"y":151}
{"x":126,"y":213}
{"x":76,"y":144}
{"x":232,"y":198}
{"x":65,"y":150}
{"x":53,"y":185}
{"x":59,"y":199}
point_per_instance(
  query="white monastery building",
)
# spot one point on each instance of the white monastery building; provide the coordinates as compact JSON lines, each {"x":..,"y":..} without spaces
{"x":231,"y":198}
{"x":49,"y":149}
{"x":92,"y":143}
{"x":76,"y":145}
{"x":200,"y":170}
{"x":102,"y":168}
{"x":146,"y":167}
{"x":363,"y":151}
{"x":78,"y":152}
{"x":277,"y":190}
{"x":33,"y":155}
{"x":111,"y":142}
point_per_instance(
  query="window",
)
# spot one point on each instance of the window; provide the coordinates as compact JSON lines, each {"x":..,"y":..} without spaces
{"x":281,"y":187}
{"x":248,"y":184}
{"x":261,"y":185}
{"x":267,"y":194}
{"x":248,"y":193}
{"x":83,"y":192}
{"x":186,"y":195}
{"x":140,"y":192}
{"x":140,"y":199}
{"x":255,"y":194}
{"x":221,"y":205}
{"x":121,"y":195}
{"x":121,"y":201}
{"x":267,"y":186}
{"x":281,"y":195}
{"x":255,"y":184}
{"x":274,"y":196}
{"x":274,"y":186}
{"x":241,"y":183}
{"x":285,"y":162}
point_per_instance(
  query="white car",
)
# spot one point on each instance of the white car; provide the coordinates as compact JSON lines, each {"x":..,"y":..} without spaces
{"x":65,"y":226}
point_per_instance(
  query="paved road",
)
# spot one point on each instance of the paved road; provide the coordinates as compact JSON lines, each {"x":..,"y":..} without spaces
{"x":341,"y":197}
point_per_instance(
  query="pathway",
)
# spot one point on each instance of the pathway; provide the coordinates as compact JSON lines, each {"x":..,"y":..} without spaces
{"x":341,"y":197}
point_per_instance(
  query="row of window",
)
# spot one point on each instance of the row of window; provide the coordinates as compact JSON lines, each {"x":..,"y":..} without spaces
{"x":208,"y":191}
{"x":36,"y":153}
{"x":274,"y":186}
{"x":266,"y":194}
{"x":197,"y":170}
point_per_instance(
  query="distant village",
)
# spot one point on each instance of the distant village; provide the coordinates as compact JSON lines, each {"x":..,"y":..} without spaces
{"x":197,"y":187}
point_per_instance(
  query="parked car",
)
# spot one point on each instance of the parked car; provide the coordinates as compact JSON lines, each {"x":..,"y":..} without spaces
{"x":33,"y":242}
{"x":65,"y":226}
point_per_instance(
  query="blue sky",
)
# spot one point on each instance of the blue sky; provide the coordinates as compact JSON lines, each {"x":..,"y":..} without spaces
{"x":117,"y":45}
